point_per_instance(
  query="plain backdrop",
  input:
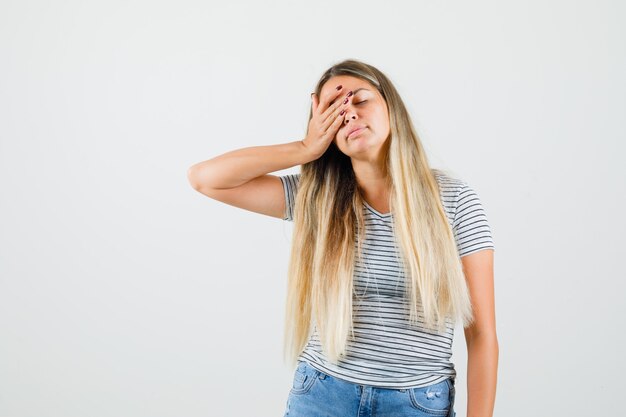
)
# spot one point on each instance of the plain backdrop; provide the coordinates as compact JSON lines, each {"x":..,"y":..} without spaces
{"x":124,"y":292}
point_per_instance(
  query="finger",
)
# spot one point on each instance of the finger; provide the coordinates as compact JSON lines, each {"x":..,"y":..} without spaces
{"x":337,"y":124}
{"x":334,"y":107}
{"x":335,"y":116}
{"x":335,"y":110}
{"x":328,"y":101}
{"x":333,"y":128}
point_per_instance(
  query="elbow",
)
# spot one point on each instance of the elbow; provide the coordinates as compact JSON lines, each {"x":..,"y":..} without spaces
{"x":192,"y":177}
{"x":487,"y":335}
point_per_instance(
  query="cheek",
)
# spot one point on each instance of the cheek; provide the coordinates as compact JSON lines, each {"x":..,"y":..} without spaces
{"x":384,"y":118}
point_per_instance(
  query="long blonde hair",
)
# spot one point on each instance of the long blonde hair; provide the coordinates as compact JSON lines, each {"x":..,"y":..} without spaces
{"x":328,"y":217}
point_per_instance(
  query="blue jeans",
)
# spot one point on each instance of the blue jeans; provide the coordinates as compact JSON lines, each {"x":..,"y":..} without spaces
{"x":316,"y":394}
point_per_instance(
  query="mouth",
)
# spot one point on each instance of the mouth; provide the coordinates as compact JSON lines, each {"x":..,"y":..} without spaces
{"x":355,"y":132}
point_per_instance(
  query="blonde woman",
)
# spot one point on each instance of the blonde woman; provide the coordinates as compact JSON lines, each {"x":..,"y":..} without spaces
{"x":387,"y":255}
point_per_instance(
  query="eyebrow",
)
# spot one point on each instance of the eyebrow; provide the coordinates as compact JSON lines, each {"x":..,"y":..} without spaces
{"x":354,"y":92}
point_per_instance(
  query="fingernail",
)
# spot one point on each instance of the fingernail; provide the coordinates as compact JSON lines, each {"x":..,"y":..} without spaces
{"x":339,"y":87}
{"x":349,"y":94}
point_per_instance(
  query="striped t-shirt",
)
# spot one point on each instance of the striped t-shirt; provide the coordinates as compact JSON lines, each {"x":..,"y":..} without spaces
{"x":386,"y":350}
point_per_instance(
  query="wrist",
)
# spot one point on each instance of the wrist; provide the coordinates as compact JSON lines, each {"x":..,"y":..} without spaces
{"x":306,"y":153}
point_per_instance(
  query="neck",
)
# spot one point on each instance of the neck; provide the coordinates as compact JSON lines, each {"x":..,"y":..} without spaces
{"x":371,"y":180}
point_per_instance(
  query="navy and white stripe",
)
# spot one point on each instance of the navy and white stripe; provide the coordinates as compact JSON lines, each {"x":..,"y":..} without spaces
{"x":388,"y":351}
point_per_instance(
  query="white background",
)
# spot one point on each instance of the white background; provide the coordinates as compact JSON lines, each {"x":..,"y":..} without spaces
{"x":124,"y":292}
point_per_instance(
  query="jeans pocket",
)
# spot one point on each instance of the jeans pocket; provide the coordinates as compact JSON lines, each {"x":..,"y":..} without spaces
{"x":304,"y":378}
{"x":435,"y":399}
{"x":452,"y":386}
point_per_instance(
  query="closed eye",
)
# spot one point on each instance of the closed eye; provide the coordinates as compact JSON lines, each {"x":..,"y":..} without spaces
{"x":360,"y":102}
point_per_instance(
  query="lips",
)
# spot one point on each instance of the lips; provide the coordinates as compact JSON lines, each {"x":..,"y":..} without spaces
{"x":355,"y":129}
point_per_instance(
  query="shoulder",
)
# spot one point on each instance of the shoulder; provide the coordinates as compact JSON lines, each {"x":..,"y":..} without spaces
{"x":290,"y":180}
{"x":450,"y":188}
{"x":290,"y":183}
{"x":290,"y":188}
{"x":466,"y":214}
{"x":448,"y":182}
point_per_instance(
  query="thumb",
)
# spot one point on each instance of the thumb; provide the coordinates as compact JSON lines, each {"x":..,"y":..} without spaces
{"x":313,"y":101}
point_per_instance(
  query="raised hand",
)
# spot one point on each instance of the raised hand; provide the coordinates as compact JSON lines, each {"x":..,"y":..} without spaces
{"x":325,"y":122}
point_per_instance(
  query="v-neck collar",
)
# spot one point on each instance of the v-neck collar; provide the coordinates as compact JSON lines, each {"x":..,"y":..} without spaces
{"x":378,"y":213}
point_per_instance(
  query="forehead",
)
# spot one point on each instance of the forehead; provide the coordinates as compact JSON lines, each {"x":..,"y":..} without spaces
{"x":348,"y":83}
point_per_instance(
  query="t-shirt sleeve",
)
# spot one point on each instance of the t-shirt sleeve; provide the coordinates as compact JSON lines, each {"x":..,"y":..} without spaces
{"x":290,"y":186}
{"x":470,"y":225}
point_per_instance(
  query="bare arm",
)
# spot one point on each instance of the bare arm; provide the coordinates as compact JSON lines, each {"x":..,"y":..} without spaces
{"x":237,"y":167}
{"x":239,"y":178}
{"x":481,"y":339}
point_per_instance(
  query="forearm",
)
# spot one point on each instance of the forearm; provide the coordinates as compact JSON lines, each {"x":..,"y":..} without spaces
{"x":237,"y":167}
{"x":482,"y":372}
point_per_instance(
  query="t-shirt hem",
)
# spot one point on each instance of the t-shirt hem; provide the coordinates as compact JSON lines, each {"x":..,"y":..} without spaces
{"x":390,"y":385}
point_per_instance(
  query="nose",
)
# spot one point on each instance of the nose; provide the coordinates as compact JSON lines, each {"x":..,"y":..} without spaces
{"x":350,"y":114}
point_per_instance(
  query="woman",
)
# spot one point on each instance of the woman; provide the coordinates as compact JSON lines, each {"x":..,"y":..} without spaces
{"x":387,"y":254}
